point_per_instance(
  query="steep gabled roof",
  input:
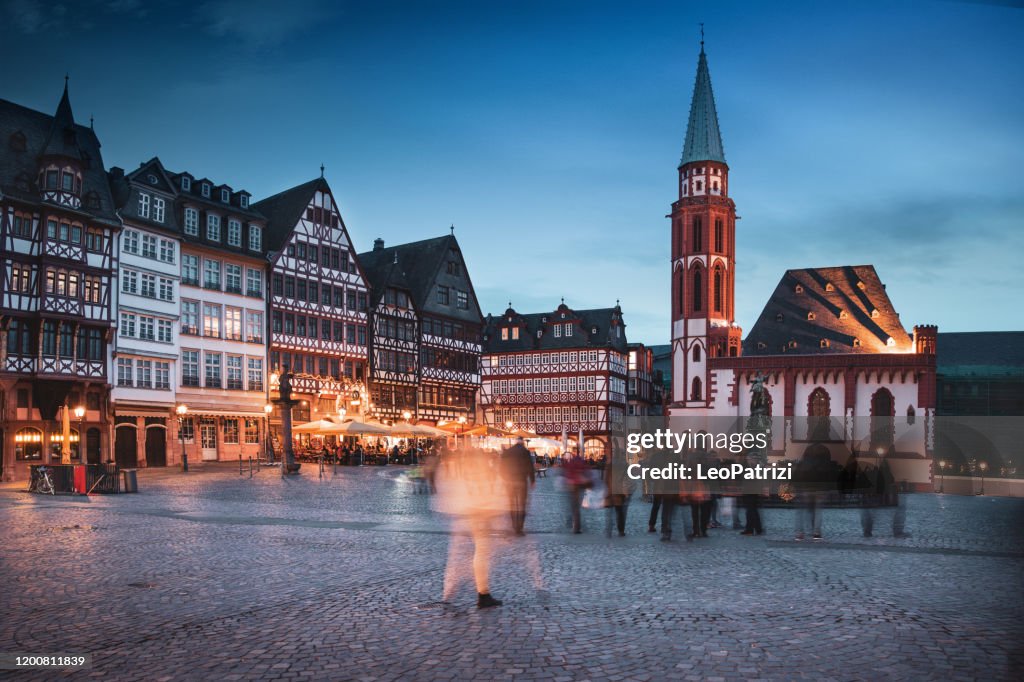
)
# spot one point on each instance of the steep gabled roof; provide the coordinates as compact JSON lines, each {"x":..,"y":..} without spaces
{"x":284,"y":210}
{"x":835,"y":305}
{"x":422,"y":262}
{"x":381,"y":274}
{"x":19,"y":169}
{"x":703,"y":139}
{"x":980,"y":353}
{"x":594,"y":329}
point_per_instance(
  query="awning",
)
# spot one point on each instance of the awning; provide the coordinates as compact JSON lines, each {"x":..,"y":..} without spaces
{"x":241,"y":414}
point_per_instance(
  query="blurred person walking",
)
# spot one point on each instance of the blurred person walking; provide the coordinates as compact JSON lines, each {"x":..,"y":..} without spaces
{"x":516,"y":468}
{"x":464,"y":492}
{"x":577,"y":481}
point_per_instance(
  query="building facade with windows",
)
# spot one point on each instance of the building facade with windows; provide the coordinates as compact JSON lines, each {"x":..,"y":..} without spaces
{"x":557,"y":372}
{"x":222,"y":321}
{"x":144,"y":352}
{"x":644,"y":391}
{"x":318,"y":304}
{"x":838,"y":365}
{"x":449,"y":339}
{"x":395,"y":339}
{"x":58,"y":224}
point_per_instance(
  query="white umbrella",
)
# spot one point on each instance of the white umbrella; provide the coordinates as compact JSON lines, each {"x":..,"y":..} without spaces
{"x":357,"y":428}
{"x":544,"y":443}
{"x":65,"y":446}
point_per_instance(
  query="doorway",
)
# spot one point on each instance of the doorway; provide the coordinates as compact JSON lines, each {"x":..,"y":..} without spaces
{"x":208,"y":439}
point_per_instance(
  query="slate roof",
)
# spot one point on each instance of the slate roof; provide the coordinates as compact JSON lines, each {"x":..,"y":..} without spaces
{"x":421,"y":264}
{"x":703,"y":139}
{"x":592,"y":328}
{"x":19,"y":169}
{"x":381,"y":274}
{"x":284,"y":210}
{"x":980,"y":353}
{"x":825,"y":294}
{"x":138,"y":180}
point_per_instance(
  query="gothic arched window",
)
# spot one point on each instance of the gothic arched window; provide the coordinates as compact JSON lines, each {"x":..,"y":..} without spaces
{"x":819,"y":409}
{"x":718,"y":289}
{"x":698,"y":290}
{"x":681,"y":295}
{"x":695,"y":389}
{"x":718,"y":235}
{"x":698,"y":234}
{"x":696,"y":353}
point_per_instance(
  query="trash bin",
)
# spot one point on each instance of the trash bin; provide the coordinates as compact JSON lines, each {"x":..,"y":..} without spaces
{"x":131,"y":481}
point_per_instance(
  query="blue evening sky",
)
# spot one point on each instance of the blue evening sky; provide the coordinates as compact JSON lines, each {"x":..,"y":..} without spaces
{"x":549,"y":132}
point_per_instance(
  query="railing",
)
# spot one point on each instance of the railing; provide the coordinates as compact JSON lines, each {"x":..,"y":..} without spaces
{"x":99,"y":478}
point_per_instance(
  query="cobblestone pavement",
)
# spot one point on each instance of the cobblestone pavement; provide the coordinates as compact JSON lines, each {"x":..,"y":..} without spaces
{"x":212,"y":575}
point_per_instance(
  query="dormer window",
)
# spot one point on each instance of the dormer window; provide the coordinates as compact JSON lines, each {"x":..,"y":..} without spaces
{"x":824,"y":343}
{"x":255,"y":238}
{"x":856,"y":343}
{"x":558,"y":331}
{"x":568,"y":329}
{"x":67,"y":181}
{"x":810,"y":316}
{"x":243,"y":201}
{"x":504,"y":333}
{"x":761,"y":345}
{"x":792,"y":344}
{"x":515,"y":333}
{"x":151,"y":178}
{"x":225,"y":196}
{"x":143,"y":205}
{"x":861,"y":286}
{"x":51,"y":179}
{"x":593,"y":330}
{"x":843,"y":314}
{"x":539,"y":333}
{"x":204,"y":189}
{"x":186,"y":183}
{"x":779,"y":317}
{"x":799,"y":288}
{"x":875,"y":314}
{"x":890,"y":342}
{"x":829,"y":287}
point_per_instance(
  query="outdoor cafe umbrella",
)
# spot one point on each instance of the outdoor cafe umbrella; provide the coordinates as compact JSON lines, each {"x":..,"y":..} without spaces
{"x":544,"y":443}
{"x":317,"y":426}
{"x":580,"y":442}
{"x":416,"y":431}
{"x":565,"y":440}
{"x":356,"y":428}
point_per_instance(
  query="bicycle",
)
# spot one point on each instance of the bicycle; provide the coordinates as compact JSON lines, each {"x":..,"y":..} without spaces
{"x":42,"y":483}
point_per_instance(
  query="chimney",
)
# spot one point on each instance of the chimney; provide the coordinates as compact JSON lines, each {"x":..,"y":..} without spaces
{"x":378,"y":244}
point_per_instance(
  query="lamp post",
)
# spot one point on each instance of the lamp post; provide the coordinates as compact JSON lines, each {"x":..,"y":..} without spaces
{"x":80,"y":413}
{"x":462,"y":424}
{"x":942,"y":476}
{"x":267,"y":409}
{"x":181,"y":411}
{"x":984,"y":467}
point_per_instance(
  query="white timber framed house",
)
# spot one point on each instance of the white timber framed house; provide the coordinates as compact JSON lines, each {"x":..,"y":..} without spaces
{"x":318,"y":305}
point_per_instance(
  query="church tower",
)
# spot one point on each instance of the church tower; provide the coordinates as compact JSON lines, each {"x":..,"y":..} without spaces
{"x":703,"y":254}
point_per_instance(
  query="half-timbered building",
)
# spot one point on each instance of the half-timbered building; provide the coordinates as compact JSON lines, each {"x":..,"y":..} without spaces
{"x":144,"y":352}
{"x":450,"y":325}
{"x":838,"y":365}
{"x":394,"y":341}
{"x":58,"y":223}
{"x":562,"y":371}
{"x":222,"y":331}
{"x":318,"y":303}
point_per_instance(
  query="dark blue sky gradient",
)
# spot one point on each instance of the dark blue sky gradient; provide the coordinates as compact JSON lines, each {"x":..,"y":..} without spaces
{"x":549,"y":132}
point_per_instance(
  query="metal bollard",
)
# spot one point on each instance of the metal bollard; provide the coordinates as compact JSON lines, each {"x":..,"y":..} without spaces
{"x":321,"y":466}
{"x":239,"y":463}
{"x":250,"y":467}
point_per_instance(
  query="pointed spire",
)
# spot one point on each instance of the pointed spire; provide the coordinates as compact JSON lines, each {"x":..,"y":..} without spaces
{"x":452,"y":228}
{"x":61,"y":140}
{"x":703,"y":139}
{"x":321,"y":170}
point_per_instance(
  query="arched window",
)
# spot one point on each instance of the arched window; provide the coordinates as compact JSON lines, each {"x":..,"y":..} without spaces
{"x":718,"y":235}
{"x":681,"y":295}
{"x":883,"y":413}
{"x":819,"y":410}
{"x":695,"y":389}
{"x":28,"y":444}
{"x":698,"y":234}
{"x":718,"y":289}
{"x":698,"y":290}
{"x":911,"y":415}
{"x":696,"y":353}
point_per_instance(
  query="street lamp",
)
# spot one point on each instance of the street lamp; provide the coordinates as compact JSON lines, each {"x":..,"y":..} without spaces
{"x":984,"y":467}
{"x":182,"y":410}
{"x":80,"y":413}
{"x":942,"y":476}
{"x":267,"y":409}
{"x":462,"y":424}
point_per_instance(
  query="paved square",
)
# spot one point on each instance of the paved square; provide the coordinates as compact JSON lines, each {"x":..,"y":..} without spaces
{"x":212,"y":575}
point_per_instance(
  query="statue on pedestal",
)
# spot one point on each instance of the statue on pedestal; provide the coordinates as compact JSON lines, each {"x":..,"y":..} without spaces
{"x":289,"y":465}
